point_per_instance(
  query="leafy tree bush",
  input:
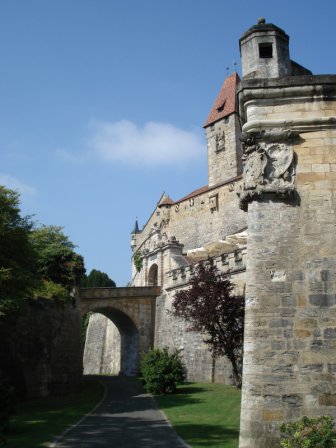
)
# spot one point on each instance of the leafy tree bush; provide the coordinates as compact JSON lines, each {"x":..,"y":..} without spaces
{"x":210,"y":308}
{"x":97,"y":279}
{"x":162,"y":371}
{"x":137,"y":260}
{"x":33,"y":261}
{"x":309,"y":433}
{"x":17,"y":254}
{"x":57,"y":261}
{"x":51,"y":290}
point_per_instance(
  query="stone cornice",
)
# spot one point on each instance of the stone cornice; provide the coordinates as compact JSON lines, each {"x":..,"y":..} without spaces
{"x":299,"y":125}
{"x":289,"y":90}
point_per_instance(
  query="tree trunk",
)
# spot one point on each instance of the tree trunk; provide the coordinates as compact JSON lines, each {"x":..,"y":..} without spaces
{"x":237,"y":374}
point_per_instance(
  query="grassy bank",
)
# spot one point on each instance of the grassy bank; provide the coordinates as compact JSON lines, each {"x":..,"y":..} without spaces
{"x":204,"y":415}
{"x":35,"y":424}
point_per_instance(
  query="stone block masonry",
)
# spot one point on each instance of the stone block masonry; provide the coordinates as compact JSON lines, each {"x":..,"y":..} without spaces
{"x":120,"y":331}
{"x":285,"y":118}
{"x":41,"y":349}
{"x":102,"y":347}
{"x":291,"y":318}
{"x":172,"y":332}
{"x":289,"y":187}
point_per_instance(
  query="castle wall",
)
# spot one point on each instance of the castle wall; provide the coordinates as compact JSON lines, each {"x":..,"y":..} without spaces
{"x":189,"y":224}
{"x":209,"y":217}
{"x":172,"y":332}
{"x":290,"y":336}
{"x":195,"y":221}
{"x":41,"y":348}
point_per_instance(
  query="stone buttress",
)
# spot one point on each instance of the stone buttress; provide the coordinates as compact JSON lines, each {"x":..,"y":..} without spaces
{"x":289,"y":140}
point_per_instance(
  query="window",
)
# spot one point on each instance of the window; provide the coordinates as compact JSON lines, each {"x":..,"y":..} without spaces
{"x":266,"y":50}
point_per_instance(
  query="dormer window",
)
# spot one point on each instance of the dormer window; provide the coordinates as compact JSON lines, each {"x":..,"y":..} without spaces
{"x":220,"y":108}
{"x":265,"y":51}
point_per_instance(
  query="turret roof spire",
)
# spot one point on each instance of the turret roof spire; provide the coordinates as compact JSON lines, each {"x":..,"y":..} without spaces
{"x":136,"y":227}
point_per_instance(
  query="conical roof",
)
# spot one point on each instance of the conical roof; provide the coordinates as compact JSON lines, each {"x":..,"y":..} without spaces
{"x":165,"y":200}
{"x":136,"y":227}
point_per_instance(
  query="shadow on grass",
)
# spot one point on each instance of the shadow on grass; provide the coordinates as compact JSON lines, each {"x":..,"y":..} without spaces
{"x":184,"y":396}
{"x":202,"y":435}
{"x":188,"y":388}
{"x":35,"y":423}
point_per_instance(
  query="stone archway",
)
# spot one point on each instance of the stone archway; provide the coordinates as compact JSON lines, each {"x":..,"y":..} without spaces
{"x":112,"y":343}
{"x":132,"y":310}
{"x":153,"y":275}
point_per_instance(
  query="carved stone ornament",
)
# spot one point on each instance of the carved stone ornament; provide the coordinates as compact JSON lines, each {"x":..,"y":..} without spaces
{"x":268,"y":164}
{"x":213,"y":203}
{"x":220,"y":141}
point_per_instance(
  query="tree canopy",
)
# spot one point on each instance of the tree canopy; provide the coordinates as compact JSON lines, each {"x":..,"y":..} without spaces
{"x":37,"y":261}
{"x":210,"y":307}
{"x":97,"y":279}
{"x":57,"y":261}
{"x":17,"y":253}
{"x":34,"y":261}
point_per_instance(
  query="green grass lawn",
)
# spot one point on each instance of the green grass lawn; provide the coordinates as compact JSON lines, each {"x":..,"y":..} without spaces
{"x":204,"y":415}
{"x":37,"y":423}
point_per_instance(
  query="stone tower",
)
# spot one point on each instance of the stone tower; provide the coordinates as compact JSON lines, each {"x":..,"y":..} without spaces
{"x":222,"y":132}
{"x":264,"y":50}
{"x":289,"y":192}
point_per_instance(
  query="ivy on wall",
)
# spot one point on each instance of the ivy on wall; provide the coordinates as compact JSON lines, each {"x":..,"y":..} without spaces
{"x":137,"y":260}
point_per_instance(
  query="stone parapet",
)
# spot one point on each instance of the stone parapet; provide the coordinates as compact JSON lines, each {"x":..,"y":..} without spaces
{"x":227,"y":263}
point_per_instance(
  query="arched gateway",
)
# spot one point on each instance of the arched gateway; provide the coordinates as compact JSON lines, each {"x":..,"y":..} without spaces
{"x":132,"y":310}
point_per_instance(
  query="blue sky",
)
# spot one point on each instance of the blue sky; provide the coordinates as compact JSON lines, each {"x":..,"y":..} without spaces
{"x":102,"y":104}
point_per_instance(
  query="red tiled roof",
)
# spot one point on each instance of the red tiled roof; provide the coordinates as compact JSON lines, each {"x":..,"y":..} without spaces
{"x":226,"y":102}
{"x":206,"y":188}
{"x":194,"y":193}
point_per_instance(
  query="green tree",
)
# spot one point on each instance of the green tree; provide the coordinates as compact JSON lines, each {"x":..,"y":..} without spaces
{"x":17,"y":254}
{"x":57,"y":261}
{"x":97,"y":279}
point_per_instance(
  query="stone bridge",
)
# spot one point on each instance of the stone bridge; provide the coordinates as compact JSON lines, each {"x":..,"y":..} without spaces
{"x":132,"y":310}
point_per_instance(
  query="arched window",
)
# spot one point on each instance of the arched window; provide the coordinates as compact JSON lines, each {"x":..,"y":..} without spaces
{"x":153,"y":275}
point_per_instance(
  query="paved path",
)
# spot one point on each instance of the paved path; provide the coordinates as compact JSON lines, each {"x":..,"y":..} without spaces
{"x":127,"y":418}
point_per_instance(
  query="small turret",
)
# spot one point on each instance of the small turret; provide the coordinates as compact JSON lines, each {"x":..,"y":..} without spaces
{"x":264,"y":50}
{"x":134,"y":233}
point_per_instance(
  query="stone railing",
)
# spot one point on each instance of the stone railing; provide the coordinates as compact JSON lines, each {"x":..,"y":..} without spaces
{"x":228,"y":263}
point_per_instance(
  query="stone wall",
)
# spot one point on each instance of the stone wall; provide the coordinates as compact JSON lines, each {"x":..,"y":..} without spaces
{"x":205,"y":217}
{"x":41,"y":348}
{"x":171,"y":332}
{"x":193,"y":222}
{"x":211,"y":216}
{"x":122,"y":331}
{"x":224,"y":150}
{"x":102,"y":347}
{"x":290,"y":326}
